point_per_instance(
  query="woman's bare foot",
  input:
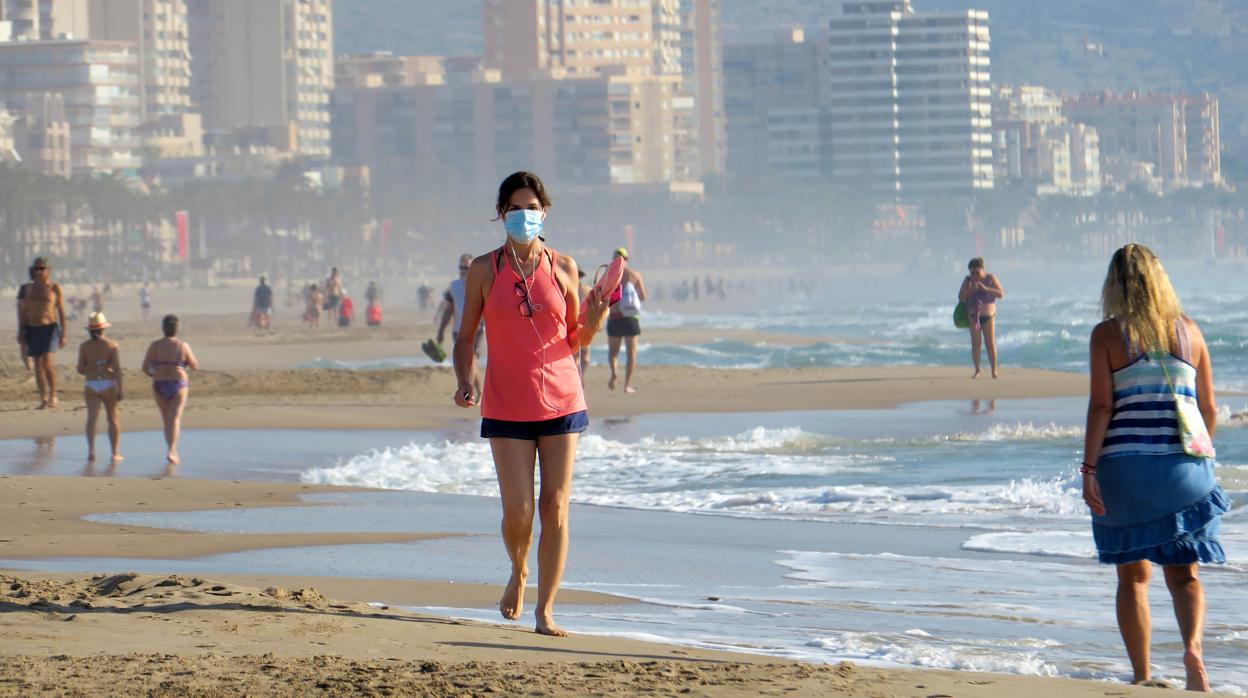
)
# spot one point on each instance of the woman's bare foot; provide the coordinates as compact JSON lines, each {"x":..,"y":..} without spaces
{"x":611,"y":383}
{"x":629,"y":389}
{"x":172,"y":458}
{"x":512,"y":603}
{"x":53,"y":404}
{"x":43,"y":405}
{"x":546,"y":626}
{"x":977,"y":374}
{"x":90,"y":456}
{"x":994,"y":375}
{"x":117,"y":458}
{"x":1197,"y":679}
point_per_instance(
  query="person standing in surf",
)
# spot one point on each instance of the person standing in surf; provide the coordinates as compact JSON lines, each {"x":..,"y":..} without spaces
{"x":1152,"y":499}
{"x":980,"y":292}
{"x":532,"y":407}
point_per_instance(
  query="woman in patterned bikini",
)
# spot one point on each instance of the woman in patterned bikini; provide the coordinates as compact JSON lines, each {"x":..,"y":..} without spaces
{"x":167,"y":362}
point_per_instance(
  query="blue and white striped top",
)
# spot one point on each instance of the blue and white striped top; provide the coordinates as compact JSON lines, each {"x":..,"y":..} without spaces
{"x":1144,"y":422}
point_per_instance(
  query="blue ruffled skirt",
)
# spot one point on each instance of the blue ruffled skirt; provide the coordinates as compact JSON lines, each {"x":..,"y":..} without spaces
{"x":1164,"y":508}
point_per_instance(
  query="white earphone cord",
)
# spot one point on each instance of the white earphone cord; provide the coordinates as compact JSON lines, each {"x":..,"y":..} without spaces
{"x":533,"y":309}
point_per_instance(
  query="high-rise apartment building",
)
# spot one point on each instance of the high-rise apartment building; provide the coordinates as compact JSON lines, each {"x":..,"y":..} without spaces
{"x":523,"y":36}
{"x":702,"y":81}
{"x":65,"y":19}
{"x":1177,"y":136}
{"x":767,"y":86}
{"x":1035,"y":147}
{"x":264,"y":64}
{"x":159,"y":29}
{"x":41,"y":135}
{"x":22,"y":17}
{"x":98,"y":83}
{"x":907,"y":99}
{"x":590,"y":38}
{"x":31,"y":20}
{"x":609,"y":129}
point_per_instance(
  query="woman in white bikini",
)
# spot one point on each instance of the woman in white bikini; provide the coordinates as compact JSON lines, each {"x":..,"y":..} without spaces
{"x":99,"y":363}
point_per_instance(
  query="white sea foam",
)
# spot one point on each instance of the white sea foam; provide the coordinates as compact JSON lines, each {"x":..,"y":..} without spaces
{"x":1076,"y":544}
{"x":1023,"y":431}
{"x":908,"y":652}
{"x":760,"y":472}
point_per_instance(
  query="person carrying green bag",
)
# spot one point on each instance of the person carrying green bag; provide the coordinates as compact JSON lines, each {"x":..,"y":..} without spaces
{"x":977,"y":299}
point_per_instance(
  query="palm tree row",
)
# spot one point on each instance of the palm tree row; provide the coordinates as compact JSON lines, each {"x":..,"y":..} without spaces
{"x":109,"y":228}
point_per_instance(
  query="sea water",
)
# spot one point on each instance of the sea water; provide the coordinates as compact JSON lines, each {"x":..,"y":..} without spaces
{"x":1043,"y":323}
{"x":1019,"y":592}
{"x":938,"y":535}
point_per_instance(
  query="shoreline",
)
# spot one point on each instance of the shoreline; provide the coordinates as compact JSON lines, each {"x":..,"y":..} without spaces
{"x":225,"y":635}
{"x":418,"y":398}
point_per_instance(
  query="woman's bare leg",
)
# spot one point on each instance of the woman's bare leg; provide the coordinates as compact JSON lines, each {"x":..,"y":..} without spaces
{"x":1134,"y":619}
{"x":173,"y":423}
{"x":114,"y":425}
{"x":975,"y":344}
{"x":514,"y":460}
{"x":93,"y":415}
{"x":1189,"y":609}
{"x":630,"y":363}
{"x":558,"y":457}
{"x":613,"y":359}
{"x":990,"y":343}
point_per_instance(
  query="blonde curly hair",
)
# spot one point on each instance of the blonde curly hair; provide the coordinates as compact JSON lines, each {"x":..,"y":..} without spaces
{"x":1138,"y":294}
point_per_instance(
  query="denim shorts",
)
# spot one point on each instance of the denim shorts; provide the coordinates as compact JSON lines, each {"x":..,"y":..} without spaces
{"x":574,"y":423}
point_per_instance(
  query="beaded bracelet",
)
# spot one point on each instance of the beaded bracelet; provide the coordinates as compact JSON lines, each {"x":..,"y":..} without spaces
{"x":1086,"y":469}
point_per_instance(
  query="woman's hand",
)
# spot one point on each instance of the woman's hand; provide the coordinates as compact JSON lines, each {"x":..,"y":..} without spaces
{"x":596,"y":310}
{"x":1092,"y":494}
{"x":465,"y":396}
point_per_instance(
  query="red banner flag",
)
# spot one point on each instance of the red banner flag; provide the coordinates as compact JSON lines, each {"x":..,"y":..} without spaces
{"x":182,"y":220}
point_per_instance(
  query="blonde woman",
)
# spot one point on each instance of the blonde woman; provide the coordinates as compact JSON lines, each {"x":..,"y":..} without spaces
{"x":99,"y":363}
{"x":1151,"y":502}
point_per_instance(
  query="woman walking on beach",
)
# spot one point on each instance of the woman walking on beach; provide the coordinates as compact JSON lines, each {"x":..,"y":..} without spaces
{"x":167,"y":362}
{"x":980,"y":292}
{"x":533,"y":407}
{"x":99,"y":363}
{"x":1148,"y":456}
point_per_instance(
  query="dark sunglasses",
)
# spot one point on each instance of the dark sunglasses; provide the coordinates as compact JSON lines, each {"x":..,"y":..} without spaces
{"x":38,"y":268}
{"x":526,"y":308}
{"x":463,"y":268}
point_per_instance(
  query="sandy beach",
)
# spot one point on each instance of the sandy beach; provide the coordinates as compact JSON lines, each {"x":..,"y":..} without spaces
{"x":226,"y":635}
{"x":250,"y":380}
{"x":165,"y":635}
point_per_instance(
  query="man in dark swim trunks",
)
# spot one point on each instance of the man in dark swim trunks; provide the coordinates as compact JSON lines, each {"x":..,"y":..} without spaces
{"x":42,"y":315}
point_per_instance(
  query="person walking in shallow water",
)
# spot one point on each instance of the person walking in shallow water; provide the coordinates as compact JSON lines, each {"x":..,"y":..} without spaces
{"x":533,"y":407}
{"x":980,"y":292}
{"x":99,"y":363}
{"x":1148,"y":455}
{"x":167,"y":362}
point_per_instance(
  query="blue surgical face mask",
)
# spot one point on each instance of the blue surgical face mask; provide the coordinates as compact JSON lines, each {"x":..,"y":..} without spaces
{"x":523,"y":225}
